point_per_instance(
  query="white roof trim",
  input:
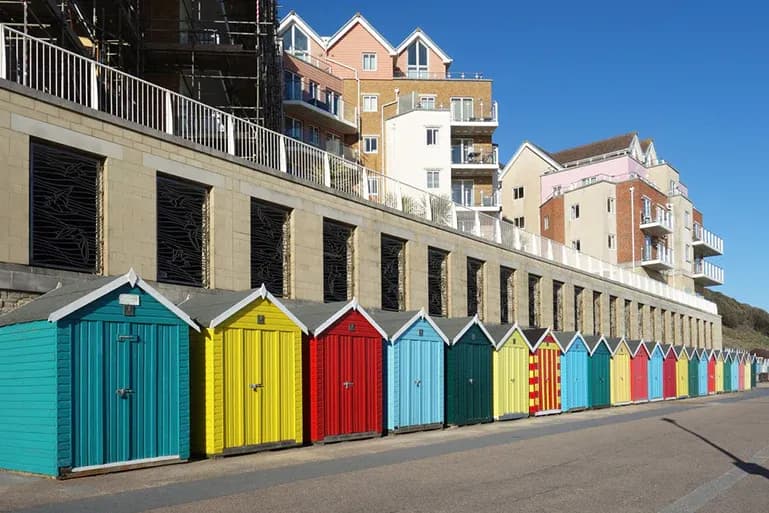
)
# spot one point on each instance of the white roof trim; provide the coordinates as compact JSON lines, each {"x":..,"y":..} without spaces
{"x":420,"y":315}
{"x":601,"y":340}
{"x":542,"y":339}
{"x":130,"y":278}
{"x":537,"y":151}
{"x":474,"y":320}
{"x":576,"y":336}
{"x":508,"y":334}
{"x":652,"y":346}
{"x":622,"y":341}
{"x":666,"y":353}
{"x":420,"y":34}
{"x":358,"y":18}
{"x":260,"y":293}
{"x":294,"y":18}
{"x":352,"y":305}
{"x":641,"y":344}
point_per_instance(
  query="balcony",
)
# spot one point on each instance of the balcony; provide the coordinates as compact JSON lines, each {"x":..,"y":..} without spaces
{"x":449,"y":75}
{"x":464,"y":194}
{"x":705,"y":243}
{"x":321,"y":109}
{"x":657,"y":224}
{"x":471,"y":157}
{"x":471,"y":117}
{"x":707,"y":274}
{"x":657,"y":258}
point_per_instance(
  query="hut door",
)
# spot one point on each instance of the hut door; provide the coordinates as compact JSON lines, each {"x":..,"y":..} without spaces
{"x":412,"y":383}
{"x":550,"y":376}
{"x":599,"y":379}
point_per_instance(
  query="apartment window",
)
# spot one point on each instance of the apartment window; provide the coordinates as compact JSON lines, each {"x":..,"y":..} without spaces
{"x":557,"y":305}
{"x":576,"y":244}
{"x":687,"y":252}
{"x":626,"y":311}
{"x":535,"y":317}
{"x":433,"y":178}
{"x":313,"y":134}
{"x":518,"y":192}
{"x":612,"y":240}
{"x":296,"y":42}
{"x":575,"y":211}
{"x":65,"y":208}
{"x":597,"y":313}
{"x":506,"y":295}
{"x":270,"y":243}
{"x":432,"y":136}
{"x":646,"y":210}
{"x":610,"y":207}
{"x":182,"y":231}
{"x":292,"y":84}
{"x":613,"y":305}
{"x":579,"y":307}
{"x":437,"y":282}
{"x":475,"y":287}
{"x":332,"y":99}
{"x":546,"y":223}
{"x":294,"y":128}
{"x":462,"y":109}
{"x":314,"y":90}
{"x":370,"y":144}
{"x":686,"y":219}
{"x":417,"y":60}
{"x":337,"y":261}
{"x":462,"y":192}
{"x":334,"y":144}
{"x":393,"y":273}
{"x":369,"y":61}
{"x":427,"y":102}
{"x":373,"y":186}
{"x":370,"y":103}
{"x":519,"y":222}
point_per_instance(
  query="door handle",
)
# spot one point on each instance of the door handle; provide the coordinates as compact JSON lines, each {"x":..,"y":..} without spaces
{"x":470,"y":380}
{"x":418,"y":382}
{"x":347,"y":384}
{"x":123,"y":392}
{"x":255,"y":386}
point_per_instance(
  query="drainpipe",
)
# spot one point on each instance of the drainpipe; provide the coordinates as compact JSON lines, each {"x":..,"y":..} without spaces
{"x":358,"y":113}
{"x":382,"y":128}
{"x":632,"y":222}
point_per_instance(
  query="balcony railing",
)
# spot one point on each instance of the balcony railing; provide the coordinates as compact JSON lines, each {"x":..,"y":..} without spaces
{"x":479,"y":112}
{"x":44,"y":67}
{"x":332,"y":104}
{"x":463,"y":155}
{"x":657,"y":253}
{"x":468,"y":112}
{"x":449,"y":75}
{"x":710,"y":273}
{"x":659,"y":222}
{"x":703,"y":237}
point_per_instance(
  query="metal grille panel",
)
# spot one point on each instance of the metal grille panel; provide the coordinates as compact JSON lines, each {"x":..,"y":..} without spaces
{"x":474,"y":287}
{"x":270,"y":239}
{"x":506,"y":295}
{"x":437,"y":281}
{"x":393,"y":273}
{"x":337,"y":261}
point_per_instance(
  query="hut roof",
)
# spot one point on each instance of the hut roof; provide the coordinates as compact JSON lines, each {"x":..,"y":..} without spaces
{"x":396,"y":323}
{"x":318,"y":317}
{"x":456,"y":327}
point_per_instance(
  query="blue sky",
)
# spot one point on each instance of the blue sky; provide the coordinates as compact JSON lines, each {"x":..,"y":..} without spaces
{"x":692,"y":75}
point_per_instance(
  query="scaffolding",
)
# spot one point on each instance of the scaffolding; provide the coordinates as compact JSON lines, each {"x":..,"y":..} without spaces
{"x":220,"y":52}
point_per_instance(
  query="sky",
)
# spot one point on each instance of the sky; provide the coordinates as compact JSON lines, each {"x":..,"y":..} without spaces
{"x":694,"y":76}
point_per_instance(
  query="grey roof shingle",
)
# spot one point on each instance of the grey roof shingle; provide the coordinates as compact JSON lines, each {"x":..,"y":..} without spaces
{"x":634,"y":345}
{"x":564,"y":337}
{"x":389,"y":321}
{"x":452,"y":327}
{"x":498,"y":332}
{"x":594,"y":149}
{"x":592,"y":341}
{"x":533,"y":335}
{"x":205,"y":307}
{"x":613,"y":343}
{"x":39,"y":309}
{"x":313,"y":314}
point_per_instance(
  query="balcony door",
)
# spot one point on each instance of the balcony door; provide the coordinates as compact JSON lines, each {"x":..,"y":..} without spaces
{"x":461,"y":109}
{"x":460,"y":150}
{"x":462,"y":192}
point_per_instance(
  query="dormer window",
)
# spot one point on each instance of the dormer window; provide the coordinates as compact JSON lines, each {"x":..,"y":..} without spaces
{"x":417,"y":60}
{"x":296,"y":42}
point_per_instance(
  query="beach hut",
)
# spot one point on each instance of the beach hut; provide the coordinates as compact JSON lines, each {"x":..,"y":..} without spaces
{"x":655,"y":370}
{"x":620,"y":371}
{"x":728,"y":368}
{"x":544,"y":372}
{"x":741,"y":370}
{"x":574,"y":370}
{"x":246,"y":373}
{"x":718,"y":355}
{"x":468,"y":370}
{"x":693,"y":371}
{"x":599,"y":372}
{"x":711,"y":381}
{"x":510,"y":373}
{"x":669,"y":377}
{"x":682,"y":371}
{"x":734,"y":364}
{"x":702,"y":372}
{"x":342,"y":370}
{"x":753,"y":370}
{"x":415,"y":353}
{"x":639,"y":371}
{"x":95,"y":379}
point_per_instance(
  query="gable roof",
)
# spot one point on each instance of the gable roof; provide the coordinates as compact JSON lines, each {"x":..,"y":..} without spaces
{"x":565,"y":339}
{"x":615,"y":342}
{"x":67,"y":299}
{"x":397,"y":323}
{"x":652,"y":346}
{"x":456,"y":327}
{"x":293,"y":18}
{"x":418,"y":33}
{"x":645,"y":143}
{"x":526,"y":145}
{"x":501,"y":333}
{"x":594,"y":341}
{"x":681,"y":351}
{"x":666,"y":349}
{"x":637,"y":345}
{"x":212,"y":309}
{"x":318,"y":317}
{"x":355,"y":20}
{"x":535,"y":336}
{"x":594,"y":149}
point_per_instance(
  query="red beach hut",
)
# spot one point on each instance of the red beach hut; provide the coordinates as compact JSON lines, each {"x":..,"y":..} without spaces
{"x":639,"y":371}
{"x":669,"y":372}
{"x":711,"y":372}
{"x":544,"y":371}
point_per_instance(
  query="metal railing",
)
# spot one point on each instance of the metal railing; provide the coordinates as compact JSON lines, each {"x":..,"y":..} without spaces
{"x":660,"y":216}
{"x":65,"y":75}
{"x":433,"y":75}
{"x":332,"y":104}
{"x":712,"y":271}
{"x":309,"y":59}
{"x":658,"y":252}
{"x":474,"y":156}
{"x":700,"y":234}
{"x":475,"y":111}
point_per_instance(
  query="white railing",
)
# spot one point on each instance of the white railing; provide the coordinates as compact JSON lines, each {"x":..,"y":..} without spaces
{"x":700,"y":234}
{"x":660,"y":216}
{"x":47,"y":68}
{"x":479,"y":112}
{"x":658,"y":252}
{"x":474,"y":156}
{"x":432,"y":75}
{"x":329,"y":103}
{"x":711,"y":271}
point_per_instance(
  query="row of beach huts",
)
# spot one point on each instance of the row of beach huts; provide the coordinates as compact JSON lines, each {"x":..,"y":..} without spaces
{"x":108,"y":374}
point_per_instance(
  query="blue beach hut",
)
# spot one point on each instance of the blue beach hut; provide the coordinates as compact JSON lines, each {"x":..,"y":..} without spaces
{"x":702,"y":371}
{"x":415,"y":353}
{"x":655,"y":370}
{"x":95,"y":379}
{"x":575,"y":361}
{"x":734,"y":363}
